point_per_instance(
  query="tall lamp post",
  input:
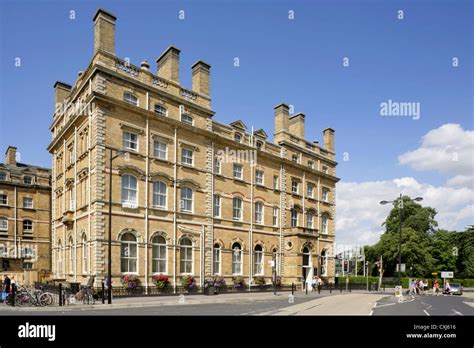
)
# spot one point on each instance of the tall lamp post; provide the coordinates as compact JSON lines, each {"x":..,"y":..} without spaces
{"x":400,"y":208}
{"x":120,"y":153}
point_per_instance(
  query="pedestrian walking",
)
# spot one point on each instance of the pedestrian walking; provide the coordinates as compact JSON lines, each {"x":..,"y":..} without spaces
{"x":6,"y":283}
{"x":313,"y":283}
{"x":422,"y":287}
{"x":320,"y":284}
{"x":436,"y":287}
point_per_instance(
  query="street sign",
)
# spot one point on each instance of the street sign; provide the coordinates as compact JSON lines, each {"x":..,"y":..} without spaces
{"x":402,"y":268}
{"x":398,"y":291}
{"x":447,"y":274}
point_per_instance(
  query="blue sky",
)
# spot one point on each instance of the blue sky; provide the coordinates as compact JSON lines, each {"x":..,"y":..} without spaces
{"x":295,"y":61}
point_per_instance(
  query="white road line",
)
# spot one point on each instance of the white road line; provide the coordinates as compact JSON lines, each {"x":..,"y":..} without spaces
{"x":456,"y":312}
{"x":371,"y":312}
{"x":428,"y":314}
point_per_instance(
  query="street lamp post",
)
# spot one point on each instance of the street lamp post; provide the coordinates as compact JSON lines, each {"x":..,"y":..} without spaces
{"x":109,"y":251}
{"x":400,"y":208}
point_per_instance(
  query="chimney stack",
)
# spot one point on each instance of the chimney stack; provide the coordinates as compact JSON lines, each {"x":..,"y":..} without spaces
{"x":328,"y":136}
{"x":282,"y":121}
{"x":297,"y":125}
{"x":201,"y":77}
{"x":10,"y":156}
{"x":104,"y":31}
{"x":61,"y":92}
{"x":168,"y":64}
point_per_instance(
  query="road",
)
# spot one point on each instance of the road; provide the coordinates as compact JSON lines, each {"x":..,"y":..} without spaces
{"x":426,"y":305}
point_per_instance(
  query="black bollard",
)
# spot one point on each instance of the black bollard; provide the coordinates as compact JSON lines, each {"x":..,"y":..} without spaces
{"x":13,"y":295}
{"x":330,"y":288}
{"x":306,"y":289}
{"x":350,"y":286}
{"x":60,"y":294}
{"x":103,"y":293}
{"x":340,"y":287}
{"x":292,"y":288}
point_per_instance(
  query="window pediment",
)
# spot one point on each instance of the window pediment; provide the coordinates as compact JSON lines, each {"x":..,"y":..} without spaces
{"x":160,"y":175}
{"x":129,"y":169}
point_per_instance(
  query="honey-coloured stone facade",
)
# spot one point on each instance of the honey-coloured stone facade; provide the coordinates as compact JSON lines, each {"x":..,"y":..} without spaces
{"x":171,"y":165}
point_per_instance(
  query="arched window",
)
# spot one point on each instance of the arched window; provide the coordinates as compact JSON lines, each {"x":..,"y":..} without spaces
{"x":84,"y":254}
{"x":128,"y":253}
{"x":237,"y":208}
{"x":159,"y":194}
{"x":60,"y":259}
{"x":130,"y":98}
{"x":216,"y":259}
{"x":236,"y":258}
{"x":324,"y":263}
{"x":306,"y":255}
{"x":27,"y":227}
{"x":238,"y":137}
{"x":186,"y":255}
{"x":258,"y":260}
{"x":324,"y":223}
{"x":158,"y":254}
{"x":310,"y":218}
{"x":294,"y":217}
{"x":259,"y":213}
{"x":186,"y":199}
{"x":71,"y":256}
{"x":129,"y":191}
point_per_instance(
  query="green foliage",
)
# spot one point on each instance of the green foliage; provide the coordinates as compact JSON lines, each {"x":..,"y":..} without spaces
{"x":424,"y":248}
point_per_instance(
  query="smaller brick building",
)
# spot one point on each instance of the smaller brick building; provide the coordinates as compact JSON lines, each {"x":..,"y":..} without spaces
{"x":25,"y":215}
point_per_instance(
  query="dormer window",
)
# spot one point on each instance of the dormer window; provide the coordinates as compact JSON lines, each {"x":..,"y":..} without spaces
{"x":3,"y":176}
{"x":310,"y":164}
{"x":238,"y":137}
{"x":27,"y":180}
{"x":259,"y":144}
{"x":161,"y":110}
{"x":294,"y":158}
{"x":130,"y":98}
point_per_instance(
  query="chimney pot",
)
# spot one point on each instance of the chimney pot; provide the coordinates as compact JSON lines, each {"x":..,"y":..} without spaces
{"x":145,"y":65}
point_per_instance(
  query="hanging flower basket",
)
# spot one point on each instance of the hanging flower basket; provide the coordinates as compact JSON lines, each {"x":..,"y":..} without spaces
{"x":219,"y":282}
{"x":239,"y":282}
{"x":130,"y":282}
{"x":189,"y":283}
{"x":259,"y":280}
{"x":161,"y":281}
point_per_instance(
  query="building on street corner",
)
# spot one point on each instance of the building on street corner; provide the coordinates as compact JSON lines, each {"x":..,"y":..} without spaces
{"x":190,"y":196}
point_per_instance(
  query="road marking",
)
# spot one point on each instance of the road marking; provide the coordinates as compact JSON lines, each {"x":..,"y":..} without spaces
{"x":428,"y":314}
{"x":456,"y":312}
{"x":371,"y":312}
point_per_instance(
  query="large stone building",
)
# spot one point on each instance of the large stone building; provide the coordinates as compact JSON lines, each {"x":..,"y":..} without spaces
{"x":25,"y":215}
{"x":189,"y":195}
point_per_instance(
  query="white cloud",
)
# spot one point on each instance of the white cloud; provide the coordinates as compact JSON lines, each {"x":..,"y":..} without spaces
{"x":448,"y":149}
{"x":359,"y":215}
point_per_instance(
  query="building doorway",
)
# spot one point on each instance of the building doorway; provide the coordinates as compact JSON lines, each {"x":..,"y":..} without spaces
{"x":307,"y":268}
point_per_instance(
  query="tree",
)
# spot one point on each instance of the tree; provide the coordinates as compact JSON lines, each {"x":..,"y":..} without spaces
{"x":419,"y":218}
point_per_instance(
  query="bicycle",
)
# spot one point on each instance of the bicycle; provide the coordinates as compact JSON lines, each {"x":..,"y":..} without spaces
{"x":88,"y":295}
